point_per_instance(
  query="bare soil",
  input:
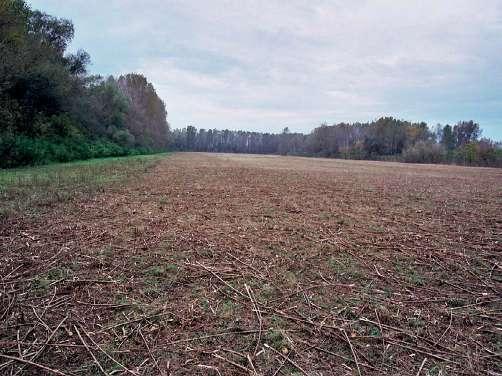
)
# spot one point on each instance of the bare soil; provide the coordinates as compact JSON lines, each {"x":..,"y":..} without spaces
{"x":258,"y":265}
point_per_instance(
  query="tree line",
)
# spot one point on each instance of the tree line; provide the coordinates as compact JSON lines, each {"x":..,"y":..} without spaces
{"x":383,"y":139}
{"x":51,"y":109}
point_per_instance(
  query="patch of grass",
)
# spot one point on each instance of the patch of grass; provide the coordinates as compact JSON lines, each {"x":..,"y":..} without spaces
{"x":153,"y":285}
{"x":291,"y":371}
{"x":416,"y":279}
{"x":41,"y":283}
{"x":377,"y":229}
{"x":157,"y":278}
{"x":275,"y":338}
{"x":227,"y":308}
{"x":155,"y":271}
{"x":325,"y":216}
{"x":121,"y":299}
{"x":163,"y":200}
{"x":138,"y":231}
{"x":415,"y":197}
{"x":153,"y":289}
{"x":436,"y":370}
{"x":205,"y":305}
{"x":291,"y":278}
{"x":171,"y":268}
{"x":266,"y":292}
{"x":275,"y":335}
{"x":5,"y":211}
{"x":456,"y":302}
{"x":159,"y":271}
{"x":59,"y":273}
{"x":110,"y":366}
{"x":411,"y":275}
{"x":30,"y":189}
{"x":106,"y":252}
{"x":349,"y":313}
{"x":345,"y":266}
{"x":416,"y":322}
{"x":374,"y":331}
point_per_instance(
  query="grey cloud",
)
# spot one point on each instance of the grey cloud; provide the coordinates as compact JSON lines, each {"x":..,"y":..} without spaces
{"x":266,"y":63}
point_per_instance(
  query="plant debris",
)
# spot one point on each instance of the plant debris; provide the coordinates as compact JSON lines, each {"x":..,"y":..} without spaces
{"x":257,"y":265}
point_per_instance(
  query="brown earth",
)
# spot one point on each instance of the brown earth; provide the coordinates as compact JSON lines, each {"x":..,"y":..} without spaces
{"x":235,"y":264}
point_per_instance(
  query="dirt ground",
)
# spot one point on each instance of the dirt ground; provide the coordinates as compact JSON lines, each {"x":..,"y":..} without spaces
{"x":221,"y":264}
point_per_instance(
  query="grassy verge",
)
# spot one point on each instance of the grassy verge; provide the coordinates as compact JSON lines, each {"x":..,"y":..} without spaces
{"x":29,"y":190}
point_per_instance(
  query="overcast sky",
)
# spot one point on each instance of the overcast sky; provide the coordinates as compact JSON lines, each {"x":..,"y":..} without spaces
{"x":265,"y":64}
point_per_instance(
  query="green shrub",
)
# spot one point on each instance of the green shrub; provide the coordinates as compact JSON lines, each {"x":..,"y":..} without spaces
{"x":20,"y":150}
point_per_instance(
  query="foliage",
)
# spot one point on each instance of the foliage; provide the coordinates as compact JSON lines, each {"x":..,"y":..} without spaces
{"x":424,"y":152}
{"x":51,"y":110}
{"x":21,"y":150}
{"x":448,"y":138}
{"x":146,"y":119}
{"x":384,"y":139}
{"x":466,"y":132}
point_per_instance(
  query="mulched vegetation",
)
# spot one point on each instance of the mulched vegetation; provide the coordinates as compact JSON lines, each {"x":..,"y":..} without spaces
{"x":214,"y":264}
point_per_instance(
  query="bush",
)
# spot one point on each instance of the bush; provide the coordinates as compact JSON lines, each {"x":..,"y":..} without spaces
{"x":61,"y":125}
{"x":20,"y":150}
{"x":424,"y":152}
{"x":123,"y":137}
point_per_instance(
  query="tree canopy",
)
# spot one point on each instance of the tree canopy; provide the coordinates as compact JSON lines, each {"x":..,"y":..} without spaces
{"x":52,"y":110}
{"x":383,"y":139}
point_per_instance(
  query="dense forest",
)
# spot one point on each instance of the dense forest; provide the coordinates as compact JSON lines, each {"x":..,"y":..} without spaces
{"x":384,"y":139}
{"x":51,"y":109}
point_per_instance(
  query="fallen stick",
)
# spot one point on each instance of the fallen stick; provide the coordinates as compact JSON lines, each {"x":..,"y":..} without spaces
{"x":150,"y":352}
{"x":134,"y":321}
{"x":280,"y":367}
{"x":89,"y":351}
{"x":353,"y":352}
{"x":287,"y":359}
{"x":450,"y":351}
{"x":245,"y":264}
{"x":405,"y":346}
{"x":421,"y":366}
{"x":258,"y":315}
{"x":107,"y":355}
{"x":41,"y":366}
{"x":37,"y":354}
{"x":335,"y":354}
{"x":209,"y":367}
{"x":211,"y":336}
{"x":446,"y":330}
{"x":221,"y":280}
{"x":252,"y":365}
{"x":232,"y":363}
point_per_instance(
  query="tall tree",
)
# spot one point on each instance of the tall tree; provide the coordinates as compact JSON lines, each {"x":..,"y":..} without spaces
{"x":51,"y":110}
{"x":147,"y":118}
{"x":448,"y":138}
{"x":466,"y":132}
